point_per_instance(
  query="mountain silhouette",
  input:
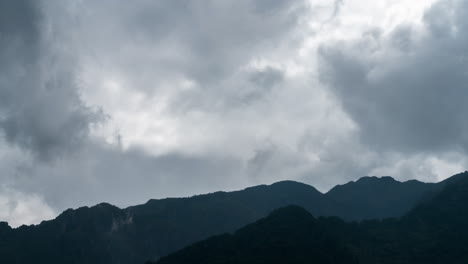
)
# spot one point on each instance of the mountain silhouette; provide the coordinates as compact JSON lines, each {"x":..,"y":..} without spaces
{"x":107,"y":234}
{"x":372,"y":197}
{"x":287,"y":235}
{"x":433,"y":232}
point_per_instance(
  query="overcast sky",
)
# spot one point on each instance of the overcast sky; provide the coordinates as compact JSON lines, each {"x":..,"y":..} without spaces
{"x":123,"y":101}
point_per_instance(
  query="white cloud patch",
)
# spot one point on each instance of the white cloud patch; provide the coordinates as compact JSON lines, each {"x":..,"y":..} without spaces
{"x":19,"y":208}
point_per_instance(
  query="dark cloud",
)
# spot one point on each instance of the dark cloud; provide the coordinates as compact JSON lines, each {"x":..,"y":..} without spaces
{"x":406,"y":89}
{"x":101,"y":172}
{"x":209,"y":95}
{"x":205,"y":42}
{"x":257,"y":164}
{"x":40,"y":106}
{"x":267,"y":78}
{"x":148,"y":47}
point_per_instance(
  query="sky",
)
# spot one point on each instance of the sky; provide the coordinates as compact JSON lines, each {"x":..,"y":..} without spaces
{"x":122,"y":101}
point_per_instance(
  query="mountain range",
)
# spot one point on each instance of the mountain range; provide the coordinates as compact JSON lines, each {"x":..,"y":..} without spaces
{"x":434,"y":232}
{"x":107,"y":234}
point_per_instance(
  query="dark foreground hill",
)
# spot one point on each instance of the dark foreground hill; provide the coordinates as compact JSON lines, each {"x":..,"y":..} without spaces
{"x":107,"y":234}
{"x":287,"y":235}
{"x":434,"y":232}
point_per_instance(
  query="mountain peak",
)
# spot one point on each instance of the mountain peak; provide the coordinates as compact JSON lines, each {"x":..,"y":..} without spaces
{"x":367,"y":179}
{"x":293,"y":185}
{"x":288,"y":182}
{"x":269,"y":240}
{"x":388,"y":196}
{"x":456,"y":178}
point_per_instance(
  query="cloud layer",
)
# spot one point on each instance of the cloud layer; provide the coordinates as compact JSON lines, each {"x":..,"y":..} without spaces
{"x":121,"y":102}
{"x":40,"y":106}
{"x":406,"y":87}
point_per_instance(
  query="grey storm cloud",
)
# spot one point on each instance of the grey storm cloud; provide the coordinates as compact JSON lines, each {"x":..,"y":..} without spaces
{"x":40,"y":107}
{"x":407,"y":89}
{"x":205,"y":42}
{"x":122,"y":101}
{"x":48,"y":47}
{"x":103,"y":173}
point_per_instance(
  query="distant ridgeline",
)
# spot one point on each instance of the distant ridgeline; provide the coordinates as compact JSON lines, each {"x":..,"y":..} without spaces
{"x":107,"y":234}
{"x":434,"y":232}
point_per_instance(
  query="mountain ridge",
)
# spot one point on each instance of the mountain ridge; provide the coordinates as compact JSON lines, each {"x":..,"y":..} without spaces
{"x":282,"y":182}
{"x":433,"y":232}
{"x":137,"y":233}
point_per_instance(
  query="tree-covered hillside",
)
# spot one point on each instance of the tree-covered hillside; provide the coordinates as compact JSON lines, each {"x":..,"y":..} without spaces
{"x":107,"y":234}
{"x":434,"y":232}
